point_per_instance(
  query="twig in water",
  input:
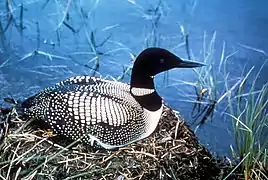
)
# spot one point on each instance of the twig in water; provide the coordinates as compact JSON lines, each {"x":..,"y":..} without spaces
{"x":21,"y":19}
{"x":64,"y":15}
{"x":69,"y":27}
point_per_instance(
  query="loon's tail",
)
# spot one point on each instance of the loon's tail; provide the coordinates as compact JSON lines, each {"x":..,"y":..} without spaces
{"x":19,"y":108}
{"x":6,"y":115}
{"x":4,"y":122}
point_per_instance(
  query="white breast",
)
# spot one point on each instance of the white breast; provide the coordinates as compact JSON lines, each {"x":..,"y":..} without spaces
{"x":152,"y":119}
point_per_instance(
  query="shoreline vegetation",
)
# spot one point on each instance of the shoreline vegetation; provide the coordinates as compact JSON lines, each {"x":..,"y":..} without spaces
{"x":246,"y":108}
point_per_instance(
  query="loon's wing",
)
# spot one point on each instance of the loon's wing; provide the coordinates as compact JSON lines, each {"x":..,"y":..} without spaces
{"x":99,"y":110}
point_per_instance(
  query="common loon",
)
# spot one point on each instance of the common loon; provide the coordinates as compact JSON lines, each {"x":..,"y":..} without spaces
{"x":105,"y":113}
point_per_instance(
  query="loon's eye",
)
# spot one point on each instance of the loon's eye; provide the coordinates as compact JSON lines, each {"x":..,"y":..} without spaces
{"x":162,"y":61}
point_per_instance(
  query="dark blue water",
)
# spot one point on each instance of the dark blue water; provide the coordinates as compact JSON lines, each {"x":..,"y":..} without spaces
{"x":118,"y":28}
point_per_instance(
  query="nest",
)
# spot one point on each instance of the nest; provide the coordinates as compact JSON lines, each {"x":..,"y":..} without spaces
{"x":171,"y":152}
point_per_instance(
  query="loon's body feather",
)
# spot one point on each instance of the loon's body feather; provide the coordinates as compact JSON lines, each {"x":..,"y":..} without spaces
{"x":94,"y":108}
{"x":106,"y":113}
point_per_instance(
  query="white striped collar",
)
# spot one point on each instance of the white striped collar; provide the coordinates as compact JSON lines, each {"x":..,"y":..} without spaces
{"x":141,"y":91}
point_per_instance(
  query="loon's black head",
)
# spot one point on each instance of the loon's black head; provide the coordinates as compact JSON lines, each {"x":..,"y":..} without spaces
{"x":152,"y":61}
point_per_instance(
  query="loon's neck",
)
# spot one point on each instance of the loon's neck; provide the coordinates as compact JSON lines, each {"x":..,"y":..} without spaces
{"x":143,"y":90}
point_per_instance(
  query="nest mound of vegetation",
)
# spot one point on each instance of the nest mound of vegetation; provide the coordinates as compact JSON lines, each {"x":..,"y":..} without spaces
{"x":171,"y":152}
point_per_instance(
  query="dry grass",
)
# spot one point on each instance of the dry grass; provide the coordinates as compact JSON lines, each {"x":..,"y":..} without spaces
{"x":172,"y":152}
